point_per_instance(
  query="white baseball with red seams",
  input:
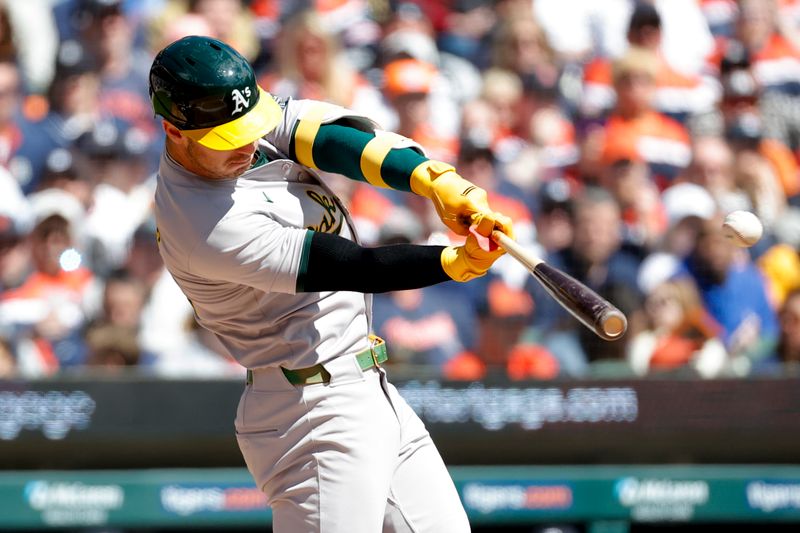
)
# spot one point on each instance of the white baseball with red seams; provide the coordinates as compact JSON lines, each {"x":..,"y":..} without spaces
{"x":743,"y":228}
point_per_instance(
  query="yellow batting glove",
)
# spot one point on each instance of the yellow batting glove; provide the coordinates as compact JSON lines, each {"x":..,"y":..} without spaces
{"x":469,"y":261}
{"x":457,"y":201}
{"x":486,"y":222}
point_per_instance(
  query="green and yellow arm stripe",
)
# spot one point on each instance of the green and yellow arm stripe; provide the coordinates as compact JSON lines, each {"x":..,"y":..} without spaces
{"x":354,"y":153}
{"x":305,"y":134}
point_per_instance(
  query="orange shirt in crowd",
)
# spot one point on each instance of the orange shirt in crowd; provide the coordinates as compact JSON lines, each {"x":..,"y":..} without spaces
{"x":784,"y":164}
{"x":777,"y":63}
{"x":525,"y":361}
{"x":46,"y":293}
{"x":661,"y":142}
{"x":437,"y":146}
{"x":676,"y":94}
{"x":39,"y":285}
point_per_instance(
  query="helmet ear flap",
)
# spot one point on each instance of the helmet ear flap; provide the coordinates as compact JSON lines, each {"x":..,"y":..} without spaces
{"x":164,"y":92}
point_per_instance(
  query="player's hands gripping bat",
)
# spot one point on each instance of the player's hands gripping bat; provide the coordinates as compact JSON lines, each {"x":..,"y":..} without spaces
{"x":470,"y":260}
{"x":456,"y":199}
{"x":592,"y":310}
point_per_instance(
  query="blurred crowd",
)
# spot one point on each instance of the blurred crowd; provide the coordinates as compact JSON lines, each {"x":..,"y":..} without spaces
{"x":616,"y":133}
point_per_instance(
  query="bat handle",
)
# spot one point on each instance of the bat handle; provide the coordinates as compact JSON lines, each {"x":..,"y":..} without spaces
{"x":514,"y":249}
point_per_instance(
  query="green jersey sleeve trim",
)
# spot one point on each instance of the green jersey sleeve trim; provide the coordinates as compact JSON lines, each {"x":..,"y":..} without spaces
{"x":292,"y":151}
{"x":302,"y":271}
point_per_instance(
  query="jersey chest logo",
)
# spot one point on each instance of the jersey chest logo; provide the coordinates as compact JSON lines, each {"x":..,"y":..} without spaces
{"x":240,"y":100}
{"x":332,"y":216}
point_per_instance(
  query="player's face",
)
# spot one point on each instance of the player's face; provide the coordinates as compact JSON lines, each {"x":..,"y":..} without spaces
{"x":220,"y":164}
{"x":205,"y":162}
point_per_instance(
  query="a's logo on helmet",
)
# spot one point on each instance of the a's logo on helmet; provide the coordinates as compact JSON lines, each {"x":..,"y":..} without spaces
{"x":240,"y":100}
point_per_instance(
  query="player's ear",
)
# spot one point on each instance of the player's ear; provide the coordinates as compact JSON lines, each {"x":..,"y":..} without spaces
{"x":173,"y":133}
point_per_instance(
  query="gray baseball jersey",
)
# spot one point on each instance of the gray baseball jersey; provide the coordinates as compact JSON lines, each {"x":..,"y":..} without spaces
{"x":235,"y":248}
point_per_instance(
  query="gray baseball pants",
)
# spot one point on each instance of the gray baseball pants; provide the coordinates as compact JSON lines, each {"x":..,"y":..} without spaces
{"x":348,"y":456}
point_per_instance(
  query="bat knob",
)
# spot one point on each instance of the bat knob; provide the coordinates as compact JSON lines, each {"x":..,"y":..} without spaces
{"x":613,"y":325}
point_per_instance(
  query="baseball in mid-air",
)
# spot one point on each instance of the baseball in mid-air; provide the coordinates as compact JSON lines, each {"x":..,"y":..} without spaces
{"x":743,"y":228}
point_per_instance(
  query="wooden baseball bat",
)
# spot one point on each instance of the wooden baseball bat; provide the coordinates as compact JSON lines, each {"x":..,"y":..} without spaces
{"x":593,"y":311}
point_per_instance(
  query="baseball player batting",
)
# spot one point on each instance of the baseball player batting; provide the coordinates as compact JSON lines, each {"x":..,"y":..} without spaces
{"x":269,"y":259}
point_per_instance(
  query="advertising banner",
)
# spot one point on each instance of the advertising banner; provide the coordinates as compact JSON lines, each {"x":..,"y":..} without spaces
{"x":150,"y":423}
{"x":491,"y":495}
{"x":130,"y":498}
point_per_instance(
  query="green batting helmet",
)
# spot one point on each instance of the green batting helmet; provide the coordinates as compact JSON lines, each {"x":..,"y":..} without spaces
{"x":208,"y":90}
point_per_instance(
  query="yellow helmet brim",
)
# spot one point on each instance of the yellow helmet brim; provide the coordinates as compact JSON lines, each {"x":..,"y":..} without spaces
{"x":254,"y":124}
